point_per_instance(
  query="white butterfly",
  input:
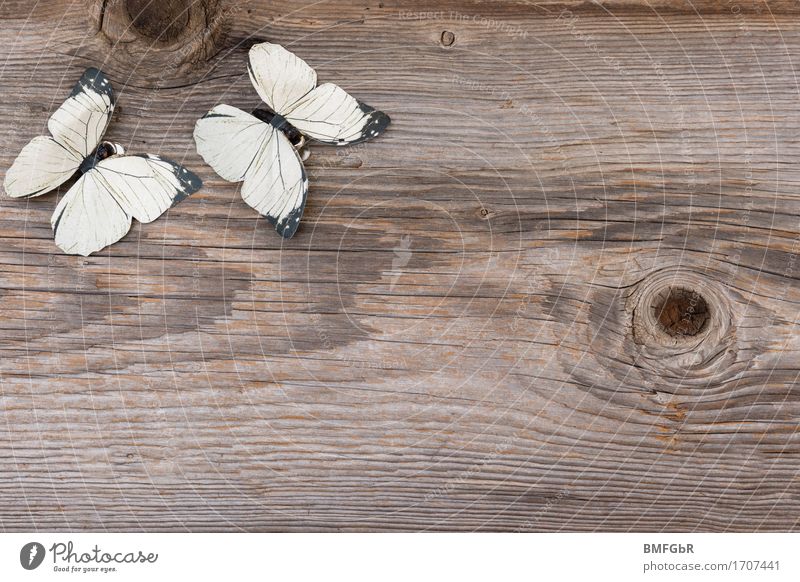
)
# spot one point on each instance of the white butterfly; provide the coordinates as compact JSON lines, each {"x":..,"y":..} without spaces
{"x":113,"y":188}
{"x":258,"y":150}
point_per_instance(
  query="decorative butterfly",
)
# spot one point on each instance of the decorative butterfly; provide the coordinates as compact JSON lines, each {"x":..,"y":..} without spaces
{"x":261,"y":150}
{"x":113,"y":188}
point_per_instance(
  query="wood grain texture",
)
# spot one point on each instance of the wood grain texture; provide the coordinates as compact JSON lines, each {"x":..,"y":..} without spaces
{"x":458,"y":336}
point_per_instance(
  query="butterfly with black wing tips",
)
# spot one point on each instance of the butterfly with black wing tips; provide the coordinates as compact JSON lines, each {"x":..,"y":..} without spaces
{"x":261,"y":150}
{"x":113,"y":188}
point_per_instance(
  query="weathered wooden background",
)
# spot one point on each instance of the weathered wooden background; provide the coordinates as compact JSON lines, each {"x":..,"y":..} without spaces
{"x":463,"y":333}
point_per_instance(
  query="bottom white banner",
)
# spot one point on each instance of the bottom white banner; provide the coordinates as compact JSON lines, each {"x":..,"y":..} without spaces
{"x":354,"y":557}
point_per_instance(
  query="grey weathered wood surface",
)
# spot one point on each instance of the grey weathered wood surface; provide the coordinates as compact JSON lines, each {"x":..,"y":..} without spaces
{"x":448,"y":342}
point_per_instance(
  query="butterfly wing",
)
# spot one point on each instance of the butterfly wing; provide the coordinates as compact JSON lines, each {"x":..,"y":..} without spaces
{"x":79,"y":124}
{"x":228,"y":139}
{"x":330,"y":115}
{"x":77,"y":127}
{"x":88,"y":218}
{"x":42,"y":165}
{"x":242,"y":148}
{"x":280,"y":77}
{"x":145,"y":186}
{"x":276,"y":184}
{"x":97,"y":210}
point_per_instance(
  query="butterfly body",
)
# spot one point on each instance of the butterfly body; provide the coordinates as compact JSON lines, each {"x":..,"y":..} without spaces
{"x":281,"y":124}
{"x":263,"y":150}
{"x":104,"y":150}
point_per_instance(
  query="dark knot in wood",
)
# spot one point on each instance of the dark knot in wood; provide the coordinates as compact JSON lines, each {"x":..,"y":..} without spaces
{"x":162,"y":36}
{"x":162,"y":21}
{"x":681,"y":322}
{"x":681,"y":312}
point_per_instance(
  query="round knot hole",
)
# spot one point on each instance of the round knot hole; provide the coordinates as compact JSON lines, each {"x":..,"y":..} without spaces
{"x":680,"y":312}
{"x":160,"y":21}
{"x":157,"y":40}
{"x":682,"y":323}
{"x":448,"y":38}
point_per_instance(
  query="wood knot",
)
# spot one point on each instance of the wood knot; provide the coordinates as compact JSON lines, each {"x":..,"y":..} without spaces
{"x":681,"y":321}
{"x":162,"y":21}
{"x":672,"y":336}
{"x":165,"y":35}
{"x":680,"y":312}
{"x":448,"y":38}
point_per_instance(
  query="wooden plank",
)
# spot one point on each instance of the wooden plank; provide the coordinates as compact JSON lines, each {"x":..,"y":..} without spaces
{"x":458,"y":336}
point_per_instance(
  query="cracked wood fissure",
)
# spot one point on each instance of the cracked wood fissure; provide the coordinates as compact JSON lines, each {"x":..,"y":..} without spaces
{"x":448,"y":341}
